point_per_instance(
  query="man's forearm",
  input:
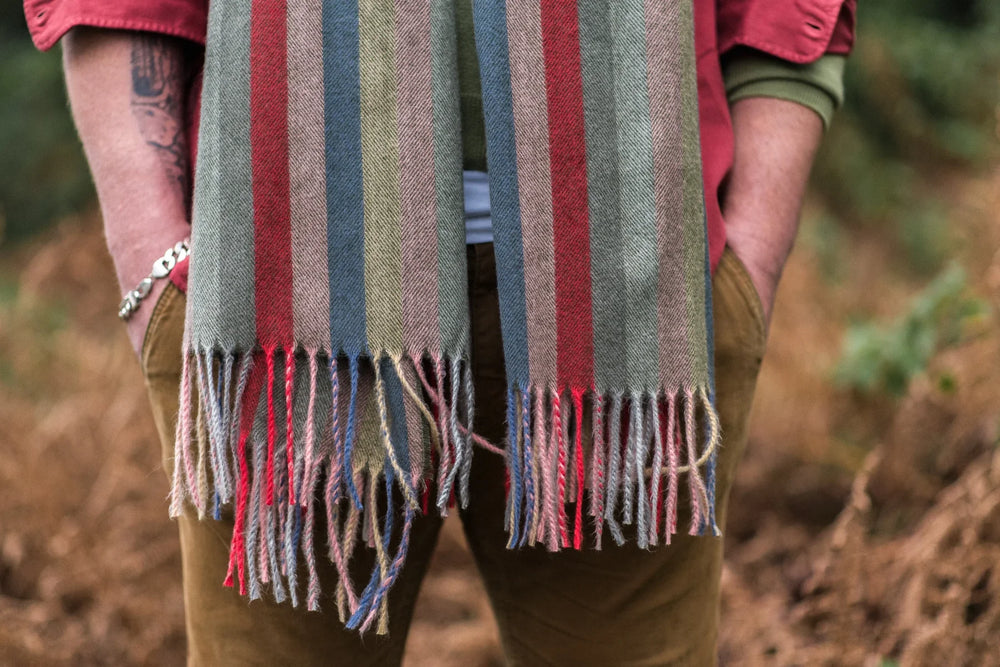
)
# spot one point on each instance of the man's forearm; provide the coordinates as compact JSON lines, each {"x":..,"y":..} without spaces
{"x":775,"y":144}
{"x":127,"y":92}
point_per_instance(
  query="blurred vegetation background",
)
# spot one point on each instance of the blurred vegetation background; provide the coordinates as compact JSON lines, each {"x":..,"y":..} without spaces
{"x":863,"y":526}
{"x":45,"y":175}
{"x":922,"y":89}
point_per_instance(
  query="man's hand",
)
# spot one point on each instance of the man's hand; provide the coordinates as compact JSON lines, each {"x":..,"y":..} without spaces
{"x":127,"y":92}
{"x":775,"y":144}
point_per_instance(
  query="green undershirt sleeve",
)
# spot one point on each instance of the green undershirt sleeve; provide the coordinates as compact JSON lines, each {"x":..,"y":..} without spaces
{"x":818,"y":85}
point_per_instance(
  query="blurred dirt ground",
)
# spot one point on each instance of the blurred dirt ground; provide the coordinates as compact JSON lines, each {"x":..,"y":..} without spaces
{"x":838,"y":552}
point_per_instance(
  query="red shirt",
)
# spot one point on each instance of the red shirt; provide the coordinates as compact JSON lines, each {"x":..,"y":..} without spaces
{"x":799,"y":31}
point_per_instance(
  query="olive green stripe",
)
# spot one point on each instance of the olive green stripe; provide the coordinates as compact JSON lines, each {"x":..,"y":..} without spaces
{"x":695,"y":238}
{"x":603,"y":184}
{"x":380,"y":169}
{"x":453,"y":301}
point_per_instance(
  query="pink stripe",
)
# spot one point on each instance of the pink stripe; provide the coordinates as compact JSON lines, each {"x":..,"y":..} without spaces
{"x":541,"y":440}
{"x":183,"y":446}
{"x":531,"y":133}
{"x":311,"y":469}
{"x":289,"y":423}
{"x":597,"y":469}
{"x":695,"y":484}
{"x":673,"y":456}
{"x":414,"y":424}
{"x":307,"y":169}
{"x":444,"y":463}
{"x":415,"y":109}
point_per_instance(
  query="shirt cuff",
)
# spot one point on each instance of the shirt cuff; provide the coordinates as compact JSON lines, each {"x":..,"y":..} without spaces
{"x":818,"y":85}
{"x":49,"y":20}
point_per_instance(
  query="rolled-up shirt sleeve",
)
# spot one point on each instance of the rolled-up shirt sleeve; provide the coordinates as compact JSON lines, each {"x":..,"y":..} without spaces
{"x":49,"y":20}
{"x":799,"y":31}
{"x":787,"y":49}
{"x":818,"y":85}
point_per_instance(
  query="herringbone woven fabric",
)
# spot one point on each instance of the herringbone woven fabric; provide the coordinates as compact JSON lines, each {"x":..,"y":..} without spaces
{"x":327,"y":333}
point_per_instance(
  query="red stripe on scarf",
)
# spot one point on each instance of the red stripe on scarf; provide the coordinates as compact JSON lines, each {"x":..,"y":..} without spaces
{"x":570,"y":225}
{"x":269,"y":157}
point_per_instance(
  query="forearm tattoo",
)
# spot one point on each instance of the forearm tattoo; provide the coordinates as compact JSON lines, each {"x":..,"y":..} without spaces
{"x":160,"y":77}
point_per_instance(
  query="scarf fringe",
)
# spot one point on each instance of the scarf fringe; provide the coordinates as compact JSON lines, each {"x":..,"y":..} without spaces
{"x":636,"y":483}
{"x":255,"y":431}
{"x":250,"y":434}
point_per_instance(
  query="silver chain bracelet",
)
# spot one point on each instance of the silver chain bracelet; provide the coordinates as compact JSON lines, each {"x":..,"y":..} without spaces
{"x":161,"y":269}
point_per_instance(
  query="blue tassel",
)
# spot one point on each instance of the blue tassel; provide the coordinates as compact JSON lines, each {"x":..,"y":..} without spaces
{"x":529,"y":464}
{"x":373,"y":593}
{"x":513,"y":462}
{"x":349,"y":444}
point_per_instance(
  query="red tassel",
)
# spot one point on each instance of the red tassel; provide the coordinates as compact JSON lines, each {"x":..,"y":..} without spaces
{"x":237,"y":546}
{"x":561,"y":446}
{"x":269,"y":496}
{"x":578,"y":527}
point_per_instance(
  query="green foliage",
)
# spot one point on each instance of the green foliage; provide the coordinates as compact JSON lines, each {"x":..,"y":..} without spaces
{"x":44,"y":174}
{"x":923,"y":80}
{"x":922,"y":94}
{"x":882,"y":359}
{"x":924,"y":237}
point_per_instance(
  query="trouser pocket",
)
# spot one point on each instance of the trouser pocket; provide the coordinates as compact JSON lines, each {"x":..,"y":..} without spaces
{"x":161,"y":362}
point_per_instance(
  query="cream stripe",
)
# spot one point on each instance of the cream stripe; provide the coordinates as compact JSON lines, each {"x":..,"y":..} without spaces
{"x":664,"y":87}
{"x":380,"y":166}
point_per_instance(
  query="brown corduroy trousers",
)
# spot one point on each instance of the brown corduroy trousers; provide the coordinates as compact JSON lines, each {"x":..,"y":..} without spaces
{"x":619,"y":606}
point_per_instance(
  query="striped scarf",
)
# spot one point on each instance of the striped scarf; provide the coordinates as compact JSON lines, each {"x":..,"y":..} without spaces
{"x":326,"y":360}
